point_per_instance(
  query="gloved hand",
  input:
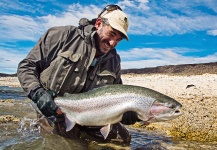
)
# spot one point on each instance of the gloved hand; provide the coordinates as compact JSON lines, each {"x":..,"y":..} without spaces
{"x":129,"y":117}
{"x":45,"y":101}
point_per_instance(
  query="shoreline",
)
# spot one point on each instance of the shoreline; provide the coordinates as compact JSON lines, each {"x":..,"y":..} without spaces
{"x":197,"y":94}
{"x":9,"y":81}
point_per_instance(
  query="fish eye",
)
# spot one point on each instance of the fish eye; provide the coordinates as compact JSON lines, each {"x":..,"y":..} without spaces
{"x":173,"y":106}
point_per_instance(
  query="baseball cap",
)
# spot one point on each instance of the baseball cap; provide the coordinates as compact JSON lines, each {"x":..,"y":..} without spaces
{"x":118,"y":20}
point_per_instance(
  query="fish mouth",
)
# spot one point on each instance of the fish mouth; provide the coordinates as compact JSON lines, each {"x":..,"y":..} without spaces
{"x":177,"y":111}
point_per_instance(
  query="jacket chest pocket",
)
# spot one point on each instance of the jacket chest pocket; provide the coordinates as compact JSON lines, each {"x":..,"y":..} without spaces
{"x":63,"y":70}
{"x":71,"y":60}
{"x":106,"y":77}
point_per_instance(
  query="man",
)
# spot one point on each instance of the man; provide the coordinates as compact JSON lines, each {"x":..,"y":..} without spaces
{"x":74,"y":60}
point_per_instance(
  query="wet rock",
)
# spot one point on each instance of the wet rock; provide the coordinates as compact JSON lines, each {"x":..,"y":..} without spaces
{"x":151,"y":146}
{"x":6,"y":101}
{"x":9,"y":118}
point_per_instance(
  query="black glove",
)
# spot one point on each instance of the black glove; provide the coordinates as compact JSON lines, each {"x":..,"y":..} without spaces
{"x":45,"y":101}
{"x":57,"y":118}
{"x":129,"y":117}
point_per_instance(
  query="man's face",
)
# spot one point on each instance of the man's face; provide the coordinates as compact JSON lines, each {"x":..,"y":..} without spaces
{"x":107,"y":37}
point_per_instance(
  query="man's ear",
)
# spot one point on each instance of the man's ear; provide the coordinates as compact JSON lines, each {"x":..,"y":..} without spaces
{"x":98,"y":23}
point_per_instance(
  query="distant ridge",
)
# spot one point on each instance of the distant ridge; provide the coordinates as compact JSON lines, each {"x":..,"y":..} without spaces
{"x":183,"y":69}
{"x":7,"y":75}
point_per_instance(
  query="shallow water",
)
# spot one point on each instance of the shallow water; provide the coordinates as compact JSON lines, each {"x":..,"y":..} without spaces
{"x":11,"y":93}
{"x":25,"y":134}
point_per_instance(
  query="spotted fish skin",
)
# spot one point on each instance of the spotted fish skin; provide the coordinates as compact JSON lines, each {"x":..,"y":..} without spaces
{"x":106,"y":105}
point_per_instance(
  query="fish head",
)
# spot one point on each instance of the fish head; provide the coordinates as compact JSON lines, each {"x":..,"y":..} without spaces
{"x":162,"y":110}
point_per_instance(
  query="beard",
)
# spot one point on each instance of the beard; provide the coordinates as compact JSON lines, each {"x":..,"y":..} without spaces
{"x":102,"y":45}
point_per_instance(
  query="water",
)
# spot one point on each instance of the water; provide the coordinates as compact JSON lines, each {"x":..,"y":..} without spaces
{"x":11,"y":93}
{"x":26,"y":134}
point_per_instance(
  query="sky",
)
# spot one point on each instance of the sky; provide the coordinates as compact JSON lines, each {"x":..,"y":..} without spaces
{"x":161,"y":32}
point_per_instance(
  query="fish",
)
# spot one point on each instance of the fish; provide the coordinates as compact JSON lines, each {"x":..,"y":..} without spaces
{"x":106,"y":105}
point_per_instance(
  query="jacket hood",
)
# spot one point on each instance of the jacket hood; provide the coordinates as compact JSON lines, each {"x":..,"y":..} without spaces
{"x":86,"y":27}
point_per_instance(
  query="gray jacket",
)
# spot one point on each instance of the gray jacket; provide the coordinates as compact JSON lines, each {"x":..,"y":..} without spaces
{"x":62,"y":61}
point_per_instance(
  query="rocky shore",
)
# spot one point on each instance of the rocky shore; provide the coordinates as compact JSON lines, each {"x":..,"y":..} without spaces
{"x":9,"y":81}
{"x":197,"y":94}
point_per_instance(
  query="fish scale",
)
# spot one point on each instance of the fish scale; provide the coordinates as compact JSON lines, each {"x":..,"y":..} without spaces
{"x":96,"y":106}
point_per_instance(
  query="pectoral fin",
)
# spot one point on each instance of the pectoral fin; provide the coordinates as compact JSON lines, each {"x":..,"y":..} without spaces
{"x":69,"y":123}
{"x":105,"y":130}
{"x":145,"y":123}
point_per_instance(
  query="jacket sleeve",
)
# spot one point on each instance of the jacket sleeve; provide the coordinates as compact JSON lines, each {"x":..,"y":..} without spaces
{"x":39,"y":58}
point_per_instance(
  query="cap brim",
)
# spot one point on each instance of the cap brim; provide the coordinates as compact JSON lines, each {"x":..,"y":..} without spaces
{"x":119,"y":28}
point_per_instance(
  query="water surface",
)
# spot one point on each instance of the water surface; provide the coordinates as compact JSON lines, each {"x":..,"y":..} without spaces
{"x":26,"y":134}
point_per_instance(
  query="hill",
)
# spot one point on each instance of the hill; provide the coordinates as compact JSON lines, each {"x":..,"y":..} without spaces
{"x":7,"y":75}
{"x":185,"y":69}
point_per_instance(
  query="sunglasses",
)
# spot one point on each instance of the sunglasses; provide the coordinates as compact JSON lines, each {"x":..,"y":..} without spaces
{"x":110,"y":8}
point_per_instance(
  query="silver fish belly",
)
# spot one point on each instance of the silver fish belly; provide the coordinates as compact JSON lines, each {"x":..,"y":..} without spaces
{"x":106,"y":105}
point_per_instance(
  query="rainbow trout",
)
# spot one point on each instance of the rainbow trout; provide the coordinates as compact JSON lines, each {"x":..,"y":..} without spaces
{"x":106,"y":105}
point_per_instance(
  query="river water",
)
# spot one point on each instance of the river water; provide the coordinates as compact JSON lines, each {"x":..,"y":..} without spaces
{"x":26,"y":134}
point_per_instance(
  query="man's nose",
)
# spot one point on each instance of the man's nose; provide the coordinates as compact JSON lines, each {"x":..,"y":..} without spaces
{"x":112,"y":43}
